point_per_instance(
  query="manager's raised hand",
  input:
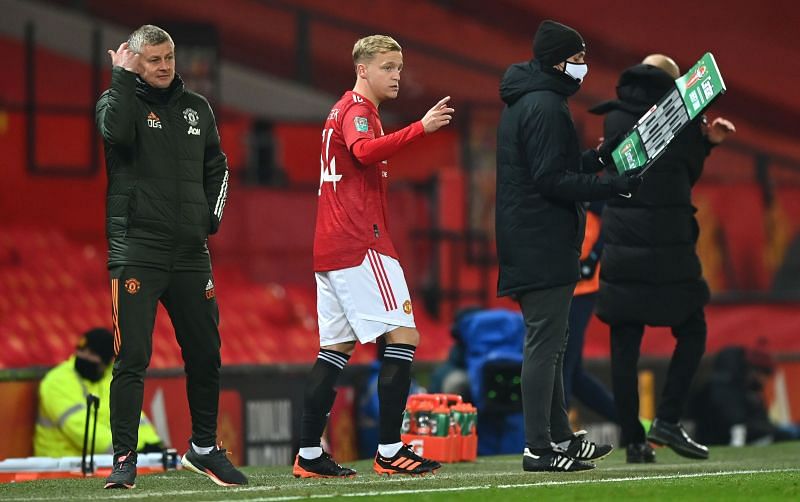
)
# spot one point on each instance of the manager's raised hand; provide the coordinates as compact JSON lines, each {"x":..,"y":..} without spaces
{"x":125,"y":58}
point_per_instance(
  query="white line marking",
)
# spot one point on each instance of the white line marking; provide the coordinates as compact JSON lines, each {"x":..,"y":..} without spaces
{"x":104,"y":495}
{"x":646,"y":478}
{"x":521,"y":485}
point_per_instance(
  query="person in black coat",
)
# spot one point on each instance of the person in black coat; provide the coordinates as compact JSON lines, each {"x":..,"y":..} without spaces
{"x":541,"y":179}
{"x":650,"y":273}
{"x":731,"y":408}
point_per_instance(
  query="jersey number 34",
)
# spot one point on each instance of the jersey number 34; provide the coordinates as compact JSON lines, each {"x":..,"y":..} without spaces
{"x":327,"y":162}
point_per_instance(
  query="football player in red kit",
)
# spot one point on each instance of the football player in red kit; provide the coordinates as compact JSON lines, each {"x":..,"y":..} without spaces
{"x":361,"y":291}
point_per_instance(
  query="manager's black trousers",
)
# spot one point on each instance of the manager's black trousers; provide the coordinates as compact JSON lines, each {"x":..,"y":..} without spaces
{"x":545,"y":313}
{"x":626,"y":340}
{"x":190,"y":301}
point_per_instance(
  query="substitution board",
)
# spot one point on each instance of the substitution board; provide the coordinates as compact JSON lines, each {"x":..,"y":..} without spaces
{"x":651,"y":135}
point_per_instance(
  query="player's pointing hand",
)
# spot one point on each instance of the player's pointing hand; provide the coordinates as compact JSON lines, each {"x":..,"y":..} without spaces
{"x":437,"y":117}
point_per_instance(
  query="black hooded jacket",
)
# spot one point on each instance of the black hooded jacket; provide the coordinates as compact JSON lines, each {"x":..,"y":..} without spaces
{"x":167,"y":175}
{"x":539,"y":221}
{"x":650,"y":273}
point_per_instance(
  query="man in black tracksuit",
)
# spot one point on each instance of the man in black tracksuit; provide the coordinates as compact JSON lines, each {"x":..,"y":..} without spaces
{"x":650,"y":273}
{"x":167,"y":185}
{"x":540,"y":227}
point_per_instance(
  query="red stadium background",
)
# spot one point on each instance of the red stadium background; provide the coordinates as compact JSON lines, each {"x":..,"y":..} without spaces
{"x":53,"y":281}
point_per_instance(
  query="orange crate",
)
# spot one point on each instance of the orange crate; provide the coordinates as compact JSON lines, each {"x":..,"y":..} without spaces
{"x":433,"y":447}
{"x":454,"y":447}
{"x":469,"y":448}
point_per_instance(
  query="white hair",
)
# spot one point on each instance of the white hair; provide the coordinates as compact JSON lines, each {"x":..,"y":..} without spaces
{"x":148,"y":35}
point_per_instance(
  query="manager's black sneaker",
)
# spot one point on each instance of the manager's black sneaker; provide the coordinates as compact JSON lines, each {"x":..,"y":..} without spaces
{"x":582,"y":449}
{"x":640,"y":453}
{"x":405,"y":461}
{"x":556,"y":460}
{"x":215,"y":465}
{"x":321,"y":467}
{"x":123,"y":475}
{"x":673,"y":435}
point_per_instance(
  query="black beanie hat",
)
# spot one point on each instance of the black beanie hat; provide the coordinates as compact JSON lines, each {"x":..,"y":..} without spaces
{"x":100,"y":341}
{"x":555,"y":42}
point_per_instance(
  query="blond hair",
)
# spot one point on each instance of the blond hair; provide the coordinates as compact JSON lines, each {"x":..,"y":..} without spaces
{"x":368,"y":47}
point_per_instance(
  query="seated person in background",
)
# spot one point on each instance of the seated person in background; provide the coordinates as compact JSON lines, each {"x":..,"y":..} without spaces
{"x":62,"y":401}
{"x":451,"y":376}
{"x":731,"y":408}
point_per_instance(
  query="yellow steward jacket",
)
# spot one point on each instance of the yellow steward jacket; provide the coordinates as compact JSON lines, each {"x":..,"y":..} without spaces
{"x":62,"y":414}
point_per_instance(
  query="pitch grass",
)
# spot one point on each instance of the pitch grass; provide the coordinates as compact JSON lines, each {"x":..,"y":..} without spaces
{"x":753,"y":473}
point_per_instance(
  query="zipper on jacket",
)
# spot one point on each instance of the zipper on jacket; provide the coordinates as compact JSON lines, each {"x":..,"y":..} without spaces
{"x":170,"y":128}
{"x":375,"y":230}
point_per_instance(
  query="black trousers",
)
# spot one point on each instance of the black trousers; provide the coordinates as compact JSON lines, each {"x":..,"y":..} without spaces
{"x":545,"y":312}
{"x":190,"y":301}
{"x":626,"y":340}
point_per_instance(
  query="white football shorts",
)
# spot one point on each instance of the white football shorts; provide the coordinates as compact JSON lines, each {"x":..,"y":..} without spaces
{"x":363,"y":302}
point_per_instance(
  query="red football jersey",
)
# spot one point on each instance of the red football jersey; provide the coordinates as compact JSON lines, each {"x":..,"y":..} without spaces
{"x":351,"y":214}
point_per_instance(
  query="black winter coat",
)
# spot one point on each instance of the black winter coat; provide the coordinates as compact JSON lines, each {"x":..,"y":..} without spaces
{"x":650,"y":273}
{"x":539,"y":221}
{"x":733,"y":394}
{"x":167,"y":175}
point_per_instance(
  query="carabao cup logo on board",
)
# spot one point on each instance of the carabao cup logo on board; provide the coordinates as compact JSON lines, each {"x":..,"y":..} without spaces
{"x":626,"y":153}
{"x":699,"y":74}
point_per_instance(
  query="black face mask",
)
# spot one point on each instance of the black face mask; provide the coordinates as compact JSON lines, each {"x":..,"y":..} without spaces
{"x":89,"y":370}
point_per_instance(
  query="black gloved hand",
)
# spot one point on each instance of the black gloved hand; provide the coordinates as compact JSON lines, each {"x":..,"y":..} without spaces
{"x":590,"y":162}
{"x":626,"y":186}
{"x":608,"y":146}
{"x":213,"y":224}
